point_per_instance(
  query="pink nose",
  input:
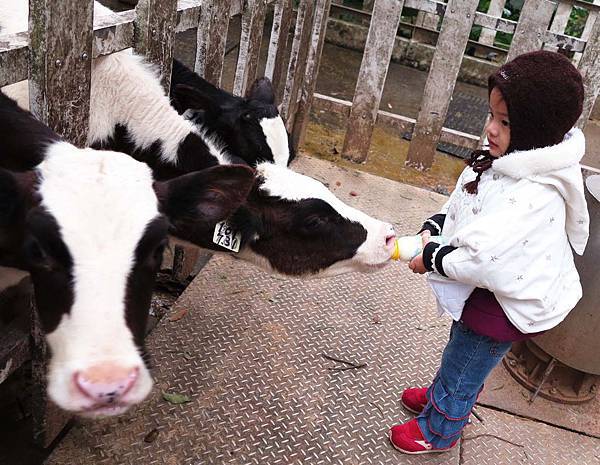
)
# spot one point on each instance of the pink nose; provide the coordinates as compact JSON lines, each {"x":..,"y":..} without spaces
{"x":106,"y":383}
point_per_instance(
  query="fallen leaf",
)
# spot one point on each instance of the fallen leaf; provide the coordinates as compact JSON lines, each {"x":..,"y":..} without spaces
{"x":151,"y":436}
{"x":174,"y":398}
{"x":353,"y":193}
{"x":178,"y":315}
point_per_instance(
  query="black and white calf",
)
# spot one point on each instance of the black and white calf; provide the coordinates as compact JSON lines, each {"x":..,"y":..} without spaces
{"x":290,"y":223}
{"x":239,"y":129}
{"x":90,"y":226}
{"x":250,"y":127}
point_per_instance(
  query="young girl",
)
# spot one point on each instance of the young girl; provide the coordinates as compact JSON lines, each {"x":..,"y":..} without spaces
{"x":507,"y":272}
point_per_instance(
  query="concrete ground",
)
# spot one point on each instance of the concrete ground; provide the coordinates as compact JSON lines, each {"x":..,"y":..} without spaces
{"x":249,"y":355}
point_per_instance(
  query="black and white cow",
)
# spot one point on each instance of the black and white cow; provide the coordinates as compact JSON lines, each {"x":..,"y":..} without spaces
{"x":90,"y":226}
{"x":250,"y":127}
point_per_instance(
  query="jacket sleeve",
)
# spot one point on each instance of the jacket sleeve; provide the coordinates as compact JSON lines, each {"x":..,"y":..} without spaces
{"x":505,"y":248}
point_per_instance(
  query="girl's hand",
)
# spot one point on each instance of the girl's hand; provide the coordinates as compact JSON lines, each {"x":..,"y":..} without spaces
{"x":416,"y":264}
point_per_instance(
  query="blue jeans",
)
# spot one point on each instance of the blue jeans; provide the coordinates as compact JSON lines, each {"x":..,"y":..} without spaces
{"x":467,"y":361}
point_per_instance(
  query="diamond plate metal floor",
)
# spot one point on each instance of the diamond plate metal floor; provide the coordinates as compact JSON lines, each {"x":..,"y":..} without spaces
{"x":504,"y":439}
{"x":249,"y":355}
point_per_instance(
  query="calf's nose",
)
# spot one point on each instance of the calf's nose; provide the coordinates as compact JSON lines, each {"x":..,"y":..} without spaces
{"x":106,"y":383}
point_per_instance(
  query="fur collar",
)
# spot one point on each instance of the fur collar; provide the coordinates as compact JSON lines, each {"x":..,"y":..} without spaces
{"x":522,"y":164}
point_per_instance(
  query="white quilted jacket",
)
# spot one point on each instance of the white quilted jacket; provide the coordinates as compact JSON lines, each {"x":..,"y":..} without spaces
{"x":514,"y":237}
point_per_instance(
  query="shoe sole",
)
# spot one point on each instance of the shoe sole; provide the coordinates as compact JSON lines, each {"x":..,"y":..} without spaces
{"x":417,"y":412}
{"x":419,"y":452}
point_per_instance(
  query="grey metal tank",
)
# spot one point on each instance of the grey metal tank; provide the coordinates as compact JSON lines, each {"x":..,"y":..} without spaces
{"x":576,"y":341}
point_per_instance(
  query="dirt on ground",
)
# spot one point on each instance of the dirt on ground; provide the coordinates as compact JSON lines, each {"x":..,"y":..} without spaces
{"x":386,"y":158}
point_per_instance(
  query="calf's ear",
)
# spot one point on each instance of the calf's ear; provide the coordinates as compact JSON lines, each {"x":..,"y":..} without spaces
{"x":262,"y":90}
{"x":206,"y":196}
{"x":186,"y":97}
{"x":16,"y":197}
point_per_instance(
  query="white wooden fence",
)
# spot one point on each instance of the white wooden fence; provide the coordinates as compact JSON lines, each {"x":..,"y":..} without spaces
{"x":534,"y":30}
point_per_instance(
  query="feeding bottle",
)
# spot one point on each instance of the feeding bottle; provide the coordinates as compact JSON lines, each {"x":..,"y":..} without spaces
{"x":408,"y":247}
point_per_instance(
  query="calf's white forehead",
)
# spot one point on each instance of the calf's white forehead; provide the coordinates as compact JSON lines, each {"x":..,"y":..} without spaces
{"x":277,"y":139}
{"x":102,"y":202}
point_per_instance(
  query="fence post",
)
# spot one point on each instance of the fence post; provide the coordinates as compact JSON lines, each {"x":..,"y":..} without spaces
{"x":210,"y":40}
{"x":589,"y":67}
{"x":561,"y":18}
{"x":371,"y":78}
{"x":454,"y":34}
{"x":154,"y":34}
{"x":48,"y":420}
{"x":61,"y":60}
{"x":282,"y":18}
{"x":532,"y":25}
{"x":253,"y":20}
{"x":312,"y":70}
{"x":297,"y":63}
{"x":496,"y":8}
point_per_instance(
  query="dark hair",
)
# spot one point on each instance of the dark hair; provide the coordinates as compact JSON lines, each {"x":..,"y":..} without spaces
{"x":480,"y":161}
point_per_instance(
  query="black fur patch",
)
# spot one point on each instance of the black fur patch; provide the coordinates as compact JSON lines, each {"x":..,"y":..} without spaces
{"x":140,"y":283}
{"x":23,"y":138}
{"x":51,"y":267}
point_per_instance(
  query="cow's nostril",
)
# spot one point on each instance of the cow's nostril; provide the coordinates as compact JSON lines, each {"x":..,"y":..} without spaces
{"x":106,"y":383}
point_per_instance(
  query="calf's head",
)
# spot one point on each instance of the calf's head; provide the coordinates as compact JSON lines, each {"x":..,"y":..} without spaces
{"x":91,"y":226}
{"x":249,"y":127}
{"x":293,"y":225}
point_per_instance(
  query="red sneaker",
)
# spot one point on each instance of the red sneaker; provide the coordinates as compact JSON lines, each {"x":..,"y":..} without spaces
{"x":414,"y":399}
{"x":407,"y":438}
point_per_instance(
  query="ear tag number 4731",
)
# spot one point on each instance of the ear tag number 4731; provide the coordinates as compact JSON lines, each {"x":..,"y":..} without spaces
{"x":227,"y":237}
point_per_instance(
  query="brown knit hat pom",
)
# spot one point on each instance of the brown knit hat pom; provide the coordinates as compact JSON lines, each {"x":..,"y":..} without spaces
{"x":544,"y":95}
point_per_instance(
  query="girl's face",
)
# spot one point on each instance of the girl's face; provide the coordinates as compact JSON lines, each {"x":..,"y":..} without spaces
{"x":498,"y":126}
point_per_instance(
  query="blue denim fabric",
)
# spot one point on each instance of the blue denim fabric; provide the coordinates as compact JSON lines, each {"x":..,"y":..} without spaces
{"x":467,"y":361}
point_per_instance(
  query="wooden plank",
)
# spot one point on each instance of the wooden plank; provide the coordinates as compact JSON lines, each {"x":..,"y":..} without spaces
{"x":15,"y":300}
{"x":398,"y":123}
{"x":312,"y":70}
{"x":48,"y":420}
{"x":14,"y":58}
{"x":589,"y":66}
{"x":297,"y":62}
{"x":368,"y":5}
{"x":154,"y":34}
{"x":440,"y":83}
{"x":427,"y":20}
{"x":532,"y":27}
{"x":371,"y":79}
{"x":211,"y":38}
{"x":282,"y":17}
{"x":113,"y":33}
{"x":495,"y":9}
{"x":188,"y":14}
{"x":253,"y":20}
{"x":560,"y":20}
{"x":60,"y":71}
{"x":554,"y":40}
